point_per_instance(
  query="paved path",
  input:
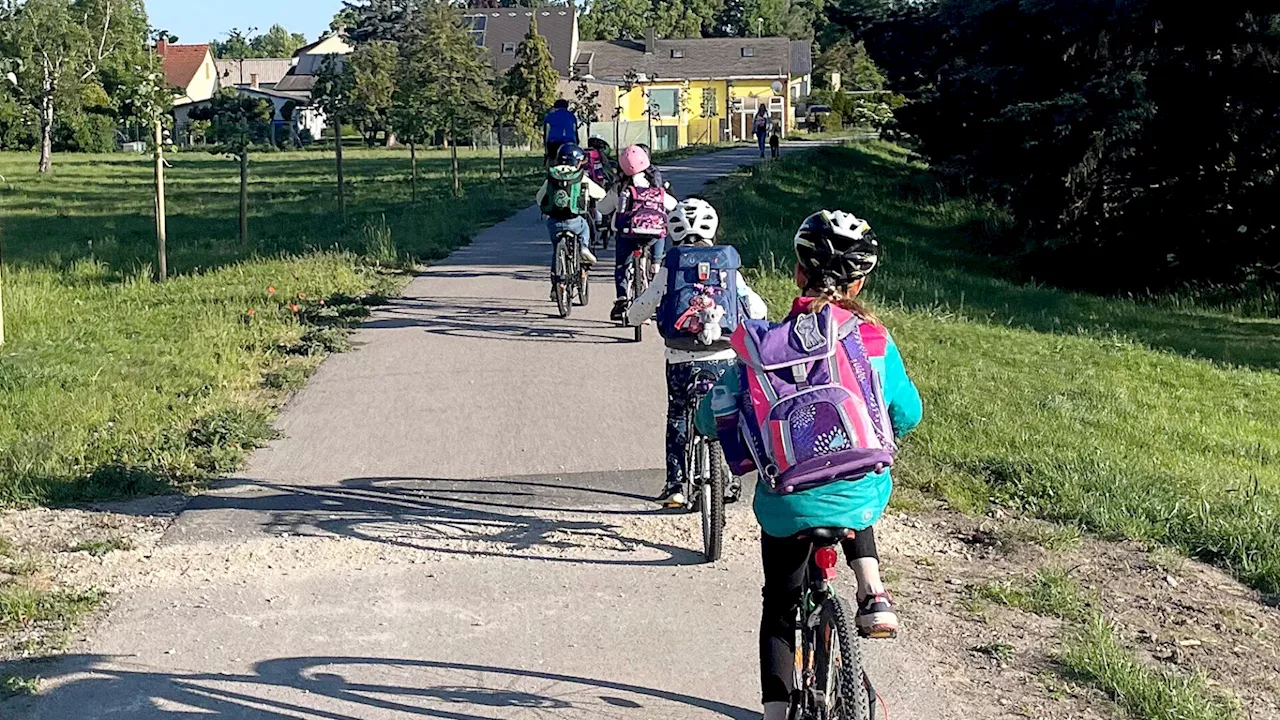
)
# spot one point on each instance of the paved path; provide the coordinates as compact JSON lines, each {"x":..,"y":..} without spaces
{"x":454,"y":526}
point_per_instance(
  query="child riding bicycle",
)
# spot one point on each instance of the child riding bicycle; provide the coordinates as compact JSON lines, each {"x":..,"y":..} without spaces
{"x":815,"y":403}
{"x":565,"y":198}
{"x":699,"y":294}
{"x":639,"y":211}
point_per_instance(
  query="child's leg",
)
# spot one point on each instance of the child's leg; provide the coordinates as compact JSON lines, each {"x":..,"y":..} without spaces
{"x":876,"y":616}
{"x":678,"y":378}
{"x":784,"y":562}
{"x":623,"y":246}
{"x":864,"y":558}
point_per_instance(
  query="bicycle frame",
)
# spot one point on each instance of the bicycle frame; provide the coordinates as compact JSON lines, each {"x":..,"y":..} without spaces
{"x":698,"y":388}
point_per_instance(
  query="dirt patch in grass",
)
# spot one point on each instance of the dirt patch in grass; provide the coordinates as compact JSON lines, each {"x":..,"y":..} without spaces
{"x":1006,"y":607}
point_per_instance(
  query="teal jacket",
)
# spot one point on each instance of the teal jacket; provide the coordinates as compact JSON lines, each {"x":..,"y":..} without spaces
{"x":856,"y":505}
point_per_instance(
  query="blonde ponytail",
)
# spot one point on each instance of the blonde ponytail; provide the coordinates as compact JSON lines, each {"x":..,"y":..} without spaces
{"x":842,"y":299}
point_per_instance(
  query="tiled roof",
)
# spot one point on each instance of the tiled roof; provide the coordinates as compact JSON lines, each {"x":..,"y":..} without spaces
{"x":269,"y":70}
{"x":509,"y":26}
{"x":692,"y":58}
{"x":181,"y":62}
{"x":296,"y":83}
{"x":801,"y":57}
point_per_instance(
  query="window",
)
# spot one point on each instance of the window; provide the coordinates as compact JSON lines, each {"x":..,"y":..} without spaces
{"x":665,"y":102}
{"x":508,"y":48}
{"x":677,"y":53}
{"x":710,"y":104}
{"x":748,"y":52}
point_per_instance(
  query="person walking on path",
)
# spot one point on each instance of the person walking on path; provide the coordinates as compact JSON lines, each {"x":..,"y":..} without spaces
{"x":560,"y":127}
{"x":762,"y":125}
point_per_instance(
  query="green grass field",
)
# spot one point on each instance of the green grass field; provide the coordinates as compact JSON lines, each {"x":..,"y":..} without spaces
{"x":112,"y":385}
{"x":100,"y":206}
{"x":1156,"y":421}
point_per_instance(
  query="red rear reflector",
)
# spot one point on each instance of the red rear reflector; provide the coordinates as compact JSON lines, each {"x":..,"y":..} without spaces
{"x":827,"y":558}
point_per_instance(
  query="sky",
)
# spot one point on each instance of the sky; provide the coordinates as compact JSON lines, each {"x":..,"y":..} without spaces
{"x":198,"y":22}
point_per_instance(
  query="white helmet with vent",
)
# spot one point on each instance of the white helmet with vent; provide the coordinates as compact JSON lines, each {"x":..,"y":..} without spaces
{"x":693,"y":221}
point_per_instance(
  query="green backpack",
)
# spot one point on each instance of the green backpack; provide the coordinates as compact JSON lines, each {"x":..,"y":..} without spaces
{"x":566,"y":193}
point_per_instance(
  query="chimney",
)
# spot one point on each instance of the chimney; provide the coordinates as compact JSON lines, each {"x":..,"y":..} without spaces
{"x":253,"y":80}
{"x":650,"y":41}
{"x":162,"y":45}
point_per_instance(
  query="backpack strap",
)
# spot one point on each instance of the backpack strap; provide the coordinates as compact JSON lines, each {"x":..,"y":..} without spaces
{"x":856,"y":349}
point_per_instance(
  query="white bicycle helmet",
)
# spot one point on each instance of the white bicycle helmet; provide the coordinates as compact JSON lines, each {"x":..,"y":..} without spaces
{"x":693,"y":220}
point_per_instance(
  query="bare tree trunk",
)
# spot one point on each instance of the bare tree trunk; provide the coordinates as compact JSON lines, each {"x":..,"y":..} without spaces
{"x":502,"y":157}
{"x":244,"y":196}
{"x":47,"y":89}
{"x":342,"y":190}
{"x":453,"y":152}
{"x":413,"y":162}
{"x":162,"y":235}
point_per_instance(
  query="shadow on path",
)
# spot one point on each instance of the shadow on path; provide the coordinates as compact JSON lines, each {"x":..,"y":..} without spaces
{"x":487,"y":518}
{"x":88,"y":687}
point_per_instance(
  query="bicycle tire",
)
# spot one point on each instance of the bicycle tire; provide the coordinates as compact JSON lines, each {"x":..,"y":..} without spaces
{"x":638,"y":284}
{"x":584,"y":287}
{"x":561,"y":286}
{"x":713,"y":520}
{"x":850,"y":700}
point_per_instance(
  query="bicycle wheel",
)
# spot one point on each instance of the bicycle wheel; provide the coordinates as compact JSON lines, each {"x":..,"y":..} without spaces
{"x":561,"y":287}
{"x":639,"y":281}
{"x":584,"y":287}
{"x":712,"y":500}
{"x":842,"y":695}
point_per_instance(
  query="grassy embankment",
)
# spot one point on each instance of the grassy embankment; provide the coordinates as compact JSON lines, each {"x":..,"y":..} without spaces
{"x":1155,"y":421}
{"x":111,"y":384}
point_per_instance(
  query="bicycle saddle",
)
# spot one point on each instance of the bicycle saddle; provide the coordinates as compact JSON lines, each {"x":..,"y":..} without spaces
{"x":823,"y":535}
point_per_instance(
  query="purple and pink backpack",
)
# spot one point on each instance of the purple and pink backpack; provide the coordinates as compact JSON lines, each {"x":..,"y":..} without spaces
{"x":811,"y":409}
{"x":643,"y":213}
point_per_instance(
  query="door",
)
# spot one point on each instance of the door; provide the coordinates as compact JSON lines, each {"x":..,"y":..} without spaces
{"x":666,"y":137}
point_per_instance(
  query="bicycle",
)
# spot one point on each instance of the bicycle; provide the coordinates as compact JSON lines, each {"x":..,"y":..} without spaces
{"x":831,"y":681}
{"x":639,"y":274}
{"x":570,"y":279}
{"x":705,"y":473}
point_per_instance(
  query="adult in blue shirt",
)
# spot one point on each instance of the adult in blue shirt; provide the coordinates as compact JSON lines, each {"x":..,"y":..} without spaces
{"x":558,"y":128}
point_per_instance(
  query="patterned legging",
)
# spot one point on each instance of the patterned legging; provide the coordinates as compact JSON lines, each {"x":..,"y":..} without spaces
{"x":679,"y":399}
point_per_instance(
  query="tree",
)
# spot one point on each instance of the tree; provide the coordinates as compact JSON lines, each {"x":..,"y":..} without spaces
{"x":585,"y":103}
{"x":50,"y":47}
{"x":237,"y":46}
{"x":366,"y":21}
{"x":1134,"y":141}
{"x":616,"y":19}
{"x":151,"y":101}
{"x":373,"y":68}
{"x":450,"y":75}
{"x":333,"y":95}
{"x":237,"y":123}
{"x":410,"y":117}
{"x":277,"y":42}
{"x":856,"y":68}
{"x":532,"y":84}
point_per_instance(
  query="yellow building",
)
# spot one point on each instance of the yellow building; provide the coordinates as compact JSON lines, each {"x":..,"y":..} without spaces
{"x":698,"y":90}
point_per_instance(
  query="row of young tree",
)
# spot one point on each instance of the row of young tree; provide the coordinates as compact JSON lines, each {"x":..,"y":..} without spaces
{"x":1137,"y":142}
{"x":418,"y":77}
{"x":71,"y":73}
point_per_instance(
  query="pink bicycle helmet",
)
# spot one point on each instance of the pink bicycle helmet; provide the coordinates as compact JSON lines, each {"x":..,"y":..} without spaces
{"x":634,"y":160}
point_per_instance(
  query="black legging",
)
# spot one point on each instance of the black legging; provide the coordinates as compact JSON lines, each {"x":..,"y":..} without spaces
{"x":784,"y":561}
